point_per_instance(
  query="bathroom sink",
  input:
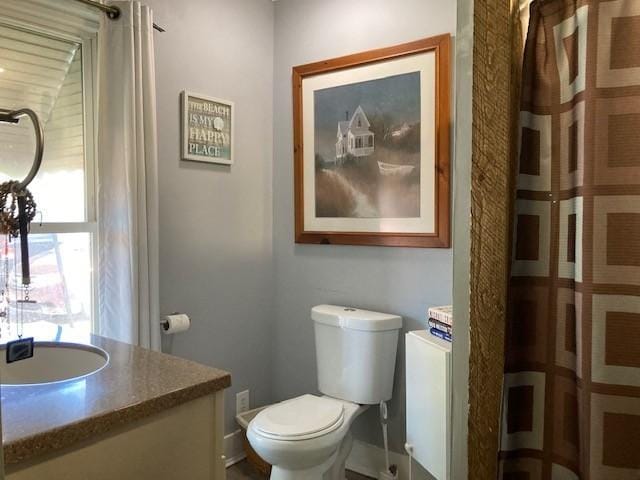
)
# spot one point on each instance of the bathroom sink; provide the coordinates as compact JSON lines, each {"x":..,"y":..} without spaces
{"x":53,"y":362}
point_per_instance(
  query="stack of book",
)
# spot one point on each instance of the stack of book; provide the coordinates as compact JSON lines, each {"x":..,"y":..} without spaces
{"x":441,"y":322}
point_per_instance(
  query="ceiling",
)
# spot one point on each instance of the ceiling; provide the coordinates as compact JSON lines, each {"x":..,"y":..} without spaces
{"x":34,"y":67}
{"x":45,"y":75}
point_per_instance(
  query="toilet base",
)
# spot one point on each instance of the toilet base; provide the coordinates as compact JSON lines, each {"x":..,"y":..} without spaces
{"x":331,"y":469}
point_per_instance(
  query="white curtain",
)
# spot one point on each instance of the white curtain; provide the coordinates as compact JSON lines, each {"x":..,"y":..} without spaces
{"x":128,"y":181}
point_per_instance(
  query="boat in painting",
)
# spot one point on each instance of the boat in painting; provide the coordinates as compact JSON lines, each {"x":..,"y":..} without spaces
{"x":391,"y":169}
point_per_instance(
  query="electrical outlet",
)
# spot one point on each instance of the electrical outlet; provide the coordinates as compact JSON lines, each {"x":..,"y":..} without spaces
{"x":242,"y":401}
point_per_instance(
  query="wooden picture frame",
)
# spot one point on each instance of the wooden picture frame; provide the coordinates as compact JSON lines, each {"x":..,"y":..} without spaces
{"x":350,"y":71}
{"x":207,"y":131}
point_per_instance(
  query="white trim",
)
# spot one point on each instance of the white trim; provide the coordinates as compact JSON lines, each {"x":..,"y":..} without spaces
{"x":368,"y":460}
{"x":233,"y":449}
{"x":89,"y":90}
{"x":89,"y":51}
{"x":63,"y":227}
{"x":365,"y":459}
{"x":463,"y":71}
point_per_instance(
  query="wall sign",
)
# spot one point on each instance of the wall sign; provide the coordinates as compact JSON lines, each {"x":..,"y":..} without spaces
{"x":207,"y":129}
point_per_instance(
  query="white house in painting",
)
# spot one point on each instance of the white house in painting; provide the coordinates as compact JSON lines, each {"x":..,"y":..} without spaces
{"x":354,"y":136}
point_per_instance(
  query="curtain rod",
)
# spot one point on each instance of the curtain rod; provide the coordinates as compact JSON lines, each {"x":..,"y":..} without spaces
{"x":111,"y":11}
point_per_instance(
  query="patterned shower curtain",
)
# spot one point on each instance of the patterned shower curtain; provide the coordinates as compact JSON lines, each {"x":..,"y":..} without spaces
{"x":572,"y":373}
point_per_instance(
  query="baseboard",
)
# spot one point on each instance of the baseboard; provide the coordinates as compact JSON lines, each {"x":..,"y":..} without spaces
{"x":368,"y":460}
{"x":233,"y":450}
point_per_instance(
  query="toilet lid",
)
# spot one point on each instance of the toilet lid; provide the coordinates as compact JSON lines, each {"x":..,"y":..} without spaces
{"x":303,"y":417}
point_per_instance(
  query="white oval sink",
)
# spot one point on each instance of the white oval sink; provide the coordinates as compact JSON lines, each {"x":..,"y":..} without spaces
{"x":53,"y":362}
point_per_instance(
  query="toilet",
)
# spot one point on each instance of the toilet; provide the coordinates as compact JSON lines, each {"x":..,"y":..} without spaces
{"x":308,"y":437}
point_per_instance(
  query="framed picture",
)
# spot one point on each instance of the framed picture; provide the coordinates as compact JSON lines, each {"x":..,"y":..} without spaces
{"x":371,"y":147}
{"x":207,"y":129}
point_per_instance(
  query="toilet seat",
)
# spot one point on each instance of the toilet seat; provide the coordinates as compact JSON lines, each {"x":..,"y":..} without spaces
{"x":300,"y":418}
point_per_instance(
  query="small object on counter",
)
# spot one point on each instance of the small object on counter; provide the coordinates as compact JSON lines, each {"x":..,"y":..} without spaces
{"x":440,"y":334}
{"x":433,"y":323}
{"x":20,"y":349}
{"x":443,"y":314}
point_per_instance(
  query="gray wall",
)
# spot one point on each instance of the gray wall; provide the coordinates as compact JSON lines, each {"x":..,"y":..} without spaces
{"x":216,"y":222}
{"x":402,"y":281}
{"x":226,"y":234}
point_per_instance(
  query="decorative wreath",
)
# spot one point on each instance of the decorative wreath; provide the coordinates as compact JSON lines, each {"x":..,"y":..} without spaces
{"x":9,"y":212}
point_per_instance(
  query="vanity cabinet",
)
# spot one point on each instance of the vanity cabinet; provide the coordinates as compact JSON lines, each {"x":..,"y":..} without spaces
{"x":144,"y":416}
{"x":185,"y":441}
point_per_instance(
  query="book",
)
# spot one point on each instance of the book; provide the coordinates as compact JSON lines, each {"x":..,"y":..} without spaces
{"x":442,"y":314}
{"x":440,"y":326}
{"x":440,"y":334}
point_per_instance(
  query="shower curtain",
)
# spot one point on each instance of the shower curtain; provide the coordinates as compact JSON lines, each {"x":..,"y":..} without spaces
{"x":572,"y":369}
{"x":128,"y":180}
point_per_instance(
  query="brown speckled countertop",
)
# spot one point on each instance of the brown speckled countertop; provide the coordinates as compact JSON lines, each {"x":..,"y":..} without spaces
{"x":136,"y":383}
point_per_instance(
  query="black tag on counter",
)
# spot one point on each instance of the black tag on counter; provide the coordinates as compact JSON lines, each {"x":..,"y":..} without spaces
{"x":19,"y":349}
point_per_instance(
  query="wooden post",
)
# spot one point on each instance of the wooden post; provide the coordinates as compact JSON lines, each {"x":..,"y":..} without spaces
{"x":495,"y":106}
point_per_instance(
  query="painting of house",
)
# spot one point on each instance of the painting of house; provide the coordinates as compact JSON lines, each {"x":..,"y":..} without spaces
{"x":354,"y":136}
{"x":370,"y":166}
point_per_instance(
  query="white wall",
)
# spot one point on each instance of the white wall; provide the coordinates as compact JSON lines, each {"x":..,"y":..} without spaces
{"x":215,"y":221}
{"x":403,"y":281}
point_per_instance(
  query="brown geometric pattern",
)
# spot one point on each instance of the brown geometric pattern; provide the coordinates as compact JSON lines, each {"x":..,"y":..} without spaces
{"x":571,"y":408}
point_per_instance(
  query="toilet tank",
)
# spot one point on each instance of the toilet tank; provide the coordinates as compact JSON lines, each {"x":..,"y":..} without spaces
{"x":355,"y":353}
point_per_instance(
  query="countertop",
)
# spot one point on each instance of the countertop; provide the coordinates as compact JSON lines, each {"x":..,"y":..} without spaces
{"x":136,"y":383}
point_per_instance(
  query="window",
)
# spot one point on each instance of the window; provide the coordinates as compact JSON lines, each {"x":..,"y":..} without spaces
{"x":60,"y":77}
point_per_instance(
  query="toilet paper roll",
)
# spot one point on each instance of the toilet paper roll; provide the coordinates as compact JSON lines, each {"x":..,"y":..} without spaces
{"x":175,"y":323}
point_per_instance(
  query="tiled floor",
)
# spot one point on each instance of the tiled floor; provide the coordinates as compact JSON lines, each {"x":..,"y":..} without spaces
{"x":243,"y":471}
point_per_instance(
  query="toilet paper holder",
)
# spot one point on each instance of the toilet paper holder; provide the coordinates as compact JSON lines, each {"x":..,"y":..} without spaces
{"x":164,"y":323}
